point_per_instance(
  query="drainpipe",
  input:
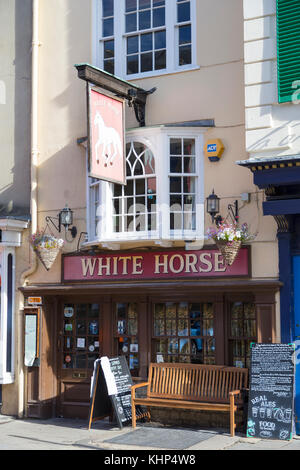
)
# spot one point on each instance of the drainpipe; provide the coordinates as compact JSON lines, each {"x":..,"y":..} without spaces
{"x":22,"y":399}
{"x":34,"y":131}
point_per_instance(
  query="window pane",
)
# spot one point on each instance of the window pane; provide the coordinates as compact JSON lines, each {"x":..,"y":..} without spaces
{"x":188,"y":185}
{"x":185,"y":34}
{"x":160,"y":60}
{"x":108,"y":49}
{"x":160,"y":40}
{"x":107,"y":8}
{"x":189,"y":146}
{"x":146,"y":62}
{"x":145,"y":19}
{"x":175,"y":146}
{"x":175,"y":185}
{"x":185,"y":55}
{"x":189,"y":203}
{"x":183,"y":12}
{"x":132,"y":64}
{"x":140,"y":186}
{"x":158,"y":3}
{"x":146,"y":42}
{"x":128,"y":189}
{"x":189,"y":165}
{"x":176,"y":202}
{"x":132,"y":44}
{"x":144,"y":4}
{"x":131,"y":5}
{"x":108,"y":27}
{"x":131,"y":22}
{"x":159,"y":17}
{"x":175,"y":164}
{"x":109,"y":66}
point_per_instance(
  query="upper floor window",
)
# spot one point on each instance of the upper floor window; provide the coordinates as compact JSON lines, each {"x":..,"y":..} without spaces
{"x":145,"y":37}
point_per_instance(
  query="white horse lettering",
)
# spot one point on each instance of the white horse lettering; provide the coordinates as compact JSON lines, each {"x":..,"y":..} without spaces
{"x":110,"y":140}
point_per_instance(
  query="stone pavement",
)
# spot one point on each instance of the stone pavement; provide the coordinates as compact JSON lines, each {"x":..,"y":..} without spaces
{"x":64,"y":434}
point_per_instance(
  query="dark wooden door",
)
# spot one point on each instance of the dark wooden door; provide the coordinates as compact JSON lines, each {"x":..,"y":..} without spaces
{"x":80,"y":344}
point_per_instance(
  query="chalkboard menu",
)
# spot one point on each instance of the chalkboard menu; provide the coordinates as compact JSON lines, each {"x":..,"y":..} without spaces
{"x":122,"y":400}
{"x":111,"y":390}
{"x":271,"y":394}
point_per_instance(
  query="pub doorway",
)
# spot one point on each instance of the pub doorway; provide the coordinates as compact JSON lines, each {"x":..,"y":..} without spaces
{"x":80,"y":342}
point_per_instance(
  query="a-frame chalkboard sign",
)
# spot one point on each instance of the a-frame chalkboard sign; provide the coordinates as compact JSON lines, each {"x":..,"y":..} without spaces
{"x":111,"y":390}
{"x":271,"y":394}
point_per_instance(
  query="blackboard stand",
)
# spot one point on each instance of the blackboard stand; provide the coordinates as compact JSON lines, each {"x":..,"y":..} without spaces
{"x":100,"y":403}
{"x":103,"y":402}
{"x":271,"y":394}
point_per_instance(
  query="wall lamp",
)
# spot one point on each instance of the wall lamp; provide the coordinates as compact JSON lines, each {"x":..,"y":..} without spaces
{"x":65,"y":219}
{"x":213,"y":208}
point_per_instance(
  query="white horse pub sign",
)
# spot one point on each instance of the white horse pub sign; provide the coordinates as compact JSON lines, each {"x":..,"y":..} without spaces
{"x":107,"y":150}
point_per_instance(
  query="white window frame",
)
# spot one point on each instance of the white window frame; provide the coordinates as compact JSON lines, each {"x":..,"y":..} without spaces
{"x":172,"y":46}
{"x":157,"y":140}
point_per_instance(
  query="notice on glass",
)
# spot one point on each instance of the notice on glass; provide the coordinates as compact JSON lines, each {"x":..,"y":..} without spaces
{"x":271,"y":394}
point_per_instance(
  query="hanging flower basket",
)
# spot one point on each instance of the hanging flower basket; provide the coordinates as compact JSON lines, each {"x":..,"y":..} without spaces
{"x":229,"y":250}
{"x":229,"y":239}
{"x":46,"y":247}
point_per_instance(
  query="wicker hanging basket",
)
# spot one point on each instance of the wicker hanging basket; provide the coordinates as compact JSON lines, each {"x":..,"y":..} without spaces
{"x":229,"y":250}
{"x":47,"y":256}
{"x":47,"y":248}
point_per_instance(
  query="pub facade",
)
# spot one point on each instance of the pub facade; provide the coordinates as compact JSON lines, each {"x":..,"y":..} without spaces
{"x":137,"y":275}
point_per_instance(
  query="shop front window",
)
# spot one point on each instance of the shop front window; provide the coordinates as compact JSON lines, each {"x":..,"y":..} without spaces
{"x":126,"y":334}
{"x":81,"y":336}
{"x":183,"y":332}
{"x":242,"y":332}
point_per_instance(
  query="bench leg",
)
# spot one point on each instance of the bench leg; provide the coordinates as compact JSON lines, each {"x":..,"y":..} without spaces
{"x":133,"y":414}
{"x":232,"y":423}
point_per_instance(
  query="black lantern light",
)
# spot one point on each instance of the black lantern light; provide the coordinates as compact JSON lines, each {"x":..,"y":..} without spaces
{"x":213,"y":207}
{"x":65,"y":219}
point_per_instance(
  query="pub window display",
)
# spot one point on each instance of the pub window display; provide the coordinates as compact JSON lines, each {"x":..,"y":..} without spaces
{"x":126,"y":334}
{"x":145,"y":25}
{"x":81,"y":342}
{"x":183,"y":332}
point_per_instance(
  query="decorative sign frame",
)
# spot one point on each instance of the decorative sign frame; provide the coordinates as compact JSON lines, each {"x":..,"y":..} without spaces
{"x":106,"y":137}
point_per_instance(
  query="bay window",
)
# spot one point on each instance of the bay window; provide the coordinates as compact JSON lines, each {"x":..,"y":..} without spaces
{"x":163,"y":199}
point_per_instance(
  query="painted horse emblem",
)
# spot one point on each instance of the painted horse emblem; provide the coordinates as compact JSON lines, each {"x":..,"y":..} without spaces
{"x":110,"y":140}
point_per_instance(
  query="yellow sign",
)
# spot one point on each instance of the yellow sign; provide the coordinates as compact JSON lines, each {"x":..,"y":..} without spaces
{"x":34,"y":300}
{"x":213,"y":149}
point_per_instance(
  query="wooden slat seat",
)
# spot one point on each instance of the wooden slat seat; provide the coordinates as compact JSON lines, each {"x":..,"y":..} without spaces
{"x":193,"y":387}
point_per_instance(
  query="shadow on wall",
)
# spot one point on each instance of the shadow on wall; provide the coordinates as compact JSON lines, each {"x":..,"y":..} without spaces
{"x":15,"y":196}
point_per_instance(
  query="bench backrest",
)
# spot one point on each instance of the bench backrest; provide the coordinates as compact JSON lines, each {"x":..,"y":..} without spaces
{"x":196,"y":382}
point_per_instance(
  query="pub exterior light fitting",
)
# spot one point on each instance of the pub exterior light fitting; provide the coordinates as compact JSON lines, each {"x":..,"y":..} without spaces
{"x":213,"y":207}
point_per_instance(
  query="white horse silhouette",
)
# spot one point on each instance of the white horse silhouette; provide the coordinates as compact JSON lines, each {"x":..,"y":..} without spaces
{"x":109,"y":138}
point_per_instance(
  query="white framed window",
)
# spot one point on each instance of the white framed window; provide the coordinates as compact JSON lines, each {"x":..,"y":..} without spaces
{"x":136,"y":38}
{"x":163,"y":199}
{"x":7,"y":321}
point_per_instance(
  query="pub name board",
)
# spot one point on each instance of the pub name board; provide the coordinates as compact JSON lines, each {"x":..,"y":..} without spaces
{"x":152,"y":265}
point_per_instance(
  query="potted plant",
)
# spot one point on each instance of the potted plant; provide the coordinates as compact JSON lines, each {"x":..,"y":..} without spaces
{"x":229,"y":239}
{"x":46,"y":247}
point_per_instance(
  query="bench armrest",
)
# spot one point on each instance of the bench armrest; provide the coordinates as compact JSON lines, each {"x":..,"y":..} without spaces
{"x":134,"y":387}
{"x":234,"y":392}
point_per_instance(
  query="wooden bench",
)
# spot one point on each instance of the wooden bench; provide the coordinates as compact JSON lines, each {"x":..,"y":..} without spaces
{"x":192,"y":387}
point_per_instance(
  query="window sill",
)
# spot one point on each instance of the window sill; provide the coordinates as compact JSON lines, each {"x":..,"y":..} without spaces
{"x":156,"y":73}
